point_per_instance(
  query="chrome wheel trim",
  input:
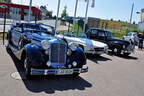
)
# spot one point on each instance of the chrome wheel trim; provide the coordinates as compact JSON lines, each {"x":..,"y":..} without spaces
{"x":115,"y":50}
{"x":26,"y":66}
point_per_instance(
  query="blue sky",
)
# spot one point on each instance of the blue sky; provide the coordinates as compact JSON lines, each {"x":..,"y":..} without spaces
{"x":105,"y":9}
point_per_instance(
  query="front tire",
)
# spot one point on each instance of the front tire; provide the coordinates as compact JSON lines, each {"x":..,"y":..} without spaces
{"x":126,"y":54}
{"x":117,"y":50}
{"x":27,"y":68}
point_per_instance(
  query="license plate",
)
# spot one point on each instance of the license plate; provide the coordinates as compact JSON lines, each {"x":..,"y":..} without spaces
{"x":64,"y":71}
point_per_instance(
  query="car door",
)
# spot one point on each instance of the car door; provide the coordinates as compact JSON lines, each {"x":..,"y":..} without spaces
{"x":101,"y":36}
{"x":92,"y":34}
{"x":16,"y":35}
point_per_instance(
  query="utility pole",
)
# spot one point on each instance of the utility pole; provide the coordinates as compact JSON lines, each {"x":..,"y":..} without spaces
{"x":74,"y":15}
{"x":29,"y":18}
{"x":56,"y":23}
{"x":131,"y":13}
{"x":5,"y":10}
{"x":84,"y":27}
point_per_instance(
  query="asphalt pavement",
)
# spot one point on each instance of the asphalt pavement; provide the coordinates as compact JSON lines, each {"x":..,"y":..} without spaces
{"x":108,"y":75}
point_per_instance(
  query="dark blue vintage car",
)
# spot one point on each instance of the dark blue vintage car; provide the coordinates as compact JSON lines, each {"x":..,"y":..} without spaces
{"x":42,"y":53}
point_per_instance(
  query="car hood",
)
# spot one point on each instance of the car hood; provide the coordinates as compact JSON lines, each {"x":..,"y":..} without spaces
{"x":86,"y":42}
{"x":42,"y":36}
{"x":117,"y":39}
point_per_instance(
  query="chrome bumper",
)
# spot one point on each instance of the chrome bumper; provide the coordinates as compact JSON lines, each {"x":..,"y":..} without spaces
{"x":53,"y":71}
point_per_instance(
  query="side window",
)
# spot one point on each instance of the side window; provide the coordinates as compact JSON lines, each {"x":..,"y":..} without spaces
{"x":18,"y":29}
{"x":89,"y":31}
{"x":101,"y":34}
{"x":94,"y":32}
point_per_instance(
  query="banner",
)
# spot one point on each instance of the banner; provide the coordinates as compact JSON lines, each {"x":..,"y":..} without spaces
{"x":91,"y":3}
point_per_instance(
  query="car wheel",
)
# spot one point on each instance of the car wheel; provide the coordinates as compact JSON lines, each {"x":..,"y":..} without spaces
{"x":117,"y":50}
{"x":27,"y":68}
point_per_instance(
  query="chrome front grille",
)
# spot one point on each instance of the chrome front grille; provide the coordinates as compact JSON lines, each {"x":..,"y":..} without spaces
{"x":58,"y":53}
{"x":99,"y":49}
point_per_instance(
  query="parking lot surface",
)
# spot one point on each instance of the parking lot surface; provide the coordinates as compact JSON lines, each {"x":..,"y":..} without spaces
{"x":108,"y":75}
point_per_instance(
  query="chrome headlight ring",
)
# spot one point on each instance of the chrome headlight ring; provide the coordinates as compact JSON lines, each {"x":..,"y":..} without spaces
{"x":73,"y":46}
{"x":69,"y":52}
{"x":45,"y":44}
{"x":124,"y":46}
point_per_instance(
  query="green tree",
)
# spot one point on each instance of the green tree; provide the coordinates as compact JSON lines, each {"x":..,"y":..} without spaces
{"x":134,"y":22}
{"x":111,"y":19}
{"x":64,"y":13}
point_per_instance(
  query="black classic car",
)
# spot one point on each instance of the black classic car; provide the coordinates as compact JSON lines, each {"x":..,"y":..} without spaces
{"x":117,"y":46}
{"x":42,"y":53}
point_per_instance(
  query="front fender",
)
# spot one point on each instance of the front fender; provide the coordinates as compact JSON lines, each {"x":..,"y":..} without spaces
{"x":78,"y":56}
{"x":34,"y":54}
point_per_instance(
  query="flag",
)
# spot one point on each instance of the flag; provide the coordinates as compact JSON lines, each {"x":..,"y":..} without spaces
{"x":91,"y":3}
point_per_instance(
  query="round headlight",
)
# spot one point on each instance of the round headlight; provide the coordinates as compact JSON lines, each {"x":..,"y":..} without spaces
{"x":45,"y":44}
{"x":73,"y":46}
{"x":74,"y":63}
{"x":69,"y":52}
{"x":124,"y":46}
{"x":48,"y":63}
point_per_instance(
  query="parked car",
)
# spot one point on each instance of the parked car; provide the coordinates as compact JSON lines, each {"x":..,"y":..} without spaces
{"x":132,"y":37}
{"x":44,"y":54}
{"x":89,"y":46}
{"x":117,"y":46}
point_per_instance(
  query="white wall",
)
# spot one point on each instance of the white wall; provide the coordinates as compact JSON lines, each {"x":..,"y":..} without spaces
{"x":141,"y":26}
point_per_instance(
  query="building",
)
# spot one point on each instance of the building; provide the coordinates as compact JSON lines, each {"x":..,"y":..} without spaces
{"x":19,"y":12}
{"x":45,"y":13}
{"x":93,"y":22}
{"x":141,"y":23}
{"x":142,"y":15}
{"x":6,"y":1}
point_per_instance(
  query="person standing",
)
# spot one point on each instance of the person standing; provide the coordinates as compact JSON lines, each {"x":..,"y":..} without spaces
{"x":141,"y":38}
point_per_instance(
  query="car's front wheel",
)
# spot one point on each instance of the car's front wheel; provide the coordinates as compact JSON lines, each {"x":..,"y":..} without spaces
{"x":117,"y":50}
{"x":27,"y":68}
{"x":126,"y":54}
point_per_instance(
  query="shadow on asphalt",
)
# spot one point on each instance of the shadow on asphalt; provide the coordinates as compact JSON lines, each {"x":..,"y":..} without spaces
{"x":122,"y":56}
{"x":50,"y":84}
{"x":97,"y":58}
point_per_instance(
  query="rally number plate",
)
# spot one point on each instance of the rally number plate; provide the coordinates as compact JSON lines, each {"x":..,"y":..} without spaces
{"x":64,"y":71}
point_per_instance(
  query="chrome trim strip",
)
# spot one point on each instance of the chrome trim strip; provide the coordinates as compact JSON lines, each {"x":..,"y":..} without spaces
{"x":53,"y":71}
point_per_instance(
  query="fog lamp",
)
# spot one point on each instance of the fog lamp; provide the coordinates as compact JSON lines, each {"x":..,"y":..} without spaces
{"x":48,"y":63}
{"x":74,"y":63}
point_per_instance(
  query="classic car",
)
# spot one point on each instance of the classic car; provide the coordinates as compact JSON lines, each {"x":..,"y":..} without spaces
{"x":117,"y":46}
{"x":132,"y":37}
{"x":44,"y":54}
{"x":89,"y":46}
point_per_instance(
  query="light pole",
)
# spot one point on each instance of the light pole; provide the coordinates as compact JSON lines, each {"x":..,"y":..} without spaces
{"x":74,"y":15}
{"x":5,"y":10}
{"x":56,"y":23}
{"x":84,"y":27}
{"x":29,"y":18}
{"x":131,"y":13}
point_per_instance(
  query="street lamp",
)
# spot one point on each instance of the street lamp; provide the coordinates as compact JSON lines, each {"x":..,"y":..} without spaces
{"x":5,"y":9}
{"x":30,"y":5}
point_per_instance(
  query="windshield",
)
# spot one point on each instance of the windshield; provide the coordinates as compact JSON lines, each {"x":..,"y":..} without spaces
{"x":129,"y":34}
{"x":38,"y":28}
{"x":109,"y":34}
{"x":30,"y":27}
{"x":75,"y":34}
